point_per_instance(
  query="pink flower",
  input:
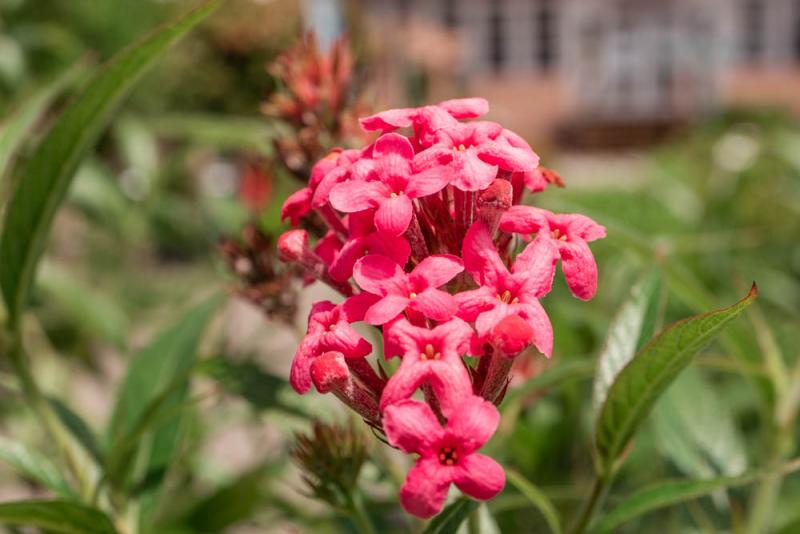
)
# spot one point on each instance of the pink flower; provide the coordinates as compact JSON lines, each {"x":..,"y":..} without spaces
{"x":337,"y":167}
{"x":474,"y":152}
{"x":570,"y":234}
{"x":363,"y":239}
{"x":328,"y":330}
{"x":425,"y":117}
{"x":447,"y":454}
{"x":416,"y":290}
{"x":431,"y":356}
{"x":297,"y":205}
{"x":393,"y":188}
{"x":502,"y":293}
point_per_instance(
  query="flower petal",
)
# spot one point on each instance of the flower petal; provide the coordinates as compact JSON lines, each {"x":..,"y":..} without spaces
{"x":436,"y":270}
{"x":355,"y":308}
{"x":524,"y":220}
{"x":296,"y":205}
{"x":411,"y":425}
{"x":394,"y":247}
{"x":300,"y":374}
{"x":474,"y":423}
{"x":451,"y":385}
{"x":428,"y":182}
{"x":380,"y":275}
{"x":355,"y":196}
{"x":386,"y":309}
{"x":343,"y":338}
{"x":479,"y":476}
{"x":579,"y":268}
{"x":481,"y":259}
{"x":392,"y":143}
{"x":535,"y":315}
{"x":389,"y":120}
{"x":434,"y":304}
{"x":536,"y":266}
{"x":426,"y":487}
{"x":508,"y":157}
{"x":465,"y":108}
{"x":471,"y":303}
{"x":394,"y":215}
{"x":470,"y":173}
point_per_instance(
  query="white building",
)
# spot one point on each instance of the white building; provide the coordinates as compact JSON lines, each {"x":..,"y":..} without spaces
{"x":616,"y":60}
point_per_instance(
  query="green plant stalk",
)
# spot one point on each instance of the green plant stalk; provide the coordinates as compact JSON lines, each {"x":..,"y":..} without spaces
{"x":41,"y":407}
{"x":358,"y":514}
{"x":766,"y":494}
{"x":600,"y":489}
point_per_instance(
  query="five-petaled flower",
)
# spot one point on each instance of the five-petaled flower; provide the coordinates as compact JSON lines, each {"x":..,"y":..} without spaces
{"x":447,"y":454}
{"x":390,"y":185}
{"x":416,"y":291}
{"x":502,"y":293}
{"x":430,"y":356}
{"x":570,"y":233}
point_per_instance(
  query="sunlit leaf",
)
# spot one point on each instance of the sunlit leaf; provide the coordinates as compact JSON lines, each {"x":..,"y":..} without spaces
{"x":537,"y":498}
{"x":62,"y":517}
{"x":642,"y":381}
{"x":35,"y":466}
{"x":45,"y":179}
{"x":448,"y":521}
{"x":625,"y":335}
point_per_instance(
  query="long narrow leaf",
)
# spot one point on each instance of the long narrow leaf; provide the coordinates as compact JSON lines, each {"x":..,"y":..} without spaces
{"x":46,"y":177}
{"x":62,"y":517}
{"x":537,"y":498}
{"x":35,"y":466}
{"x":673,"y":492}
{"x":448,"y":521}
{"x":642,"y":381}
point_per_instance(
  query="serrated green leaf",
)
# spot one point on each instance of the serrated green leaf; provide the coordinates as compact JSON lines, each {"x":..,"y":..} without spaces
{"x":642,"y":381}
{"x":155,"y":383}
{"x":35,"y":466}
{"x":625,"y":335}
{"x":448,"y":521}
{"x":537,"y":498}
{"x":664,"y":494}
{"x":45,"y":179}
{"x":62,"y":517}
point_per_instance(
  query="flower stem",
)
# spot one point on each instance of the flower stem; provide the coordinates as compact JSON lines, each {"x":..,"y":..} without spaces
{"x":599,"y":490}
{"x":41,"y":407}
{"x":359,"y":515}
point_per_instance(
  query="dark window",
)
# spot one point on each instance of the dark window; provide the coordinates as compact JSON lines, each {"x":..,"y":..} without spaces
{"x":449,"y":13}
{"x":545,"y":22}
{"x":752,"y":29}
{"x":497,"y":51}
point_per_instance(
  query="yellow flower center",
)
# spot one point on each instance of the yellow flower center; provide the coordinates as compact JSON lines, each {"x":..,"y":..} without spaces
{"x":448,"y":456}
{"x":430,"y":353}
{"x":505,"y":296}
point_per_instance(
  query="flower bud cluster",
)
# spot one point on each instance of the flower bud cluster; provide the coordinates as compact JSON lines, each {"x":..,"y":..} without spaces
{"x":427,"y":241}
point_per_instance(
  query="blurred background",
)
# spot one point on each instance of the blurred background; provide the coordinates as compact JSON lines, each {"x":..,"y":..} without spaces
{"x":674,"y":124}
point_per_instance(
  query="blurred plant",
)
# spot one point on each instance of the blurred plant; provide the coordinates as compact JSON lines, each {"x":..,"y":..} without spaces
{"x":330,"y":458}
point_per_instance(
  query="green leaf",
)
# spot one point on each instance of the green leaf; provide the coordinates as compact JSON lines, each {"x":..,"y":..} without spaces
{"x":93,"y":311}
{"x":625,"y":334}
{"x":155,"y":383}
{"x":696,"y":429}
{"x":448,"y":521}
{"x":668,"y":493}
{"x":16,"y":131}
{"x":537,"y":498}
{"x":218,"y":131}
{"x":249,"y":381}
{"x":35,"y":466}
{"x":642,"y":381}
{"x":78,"y":428}
{"x":557,"y":374}
{"x":63,"y":517}
{"x":45,"y":179}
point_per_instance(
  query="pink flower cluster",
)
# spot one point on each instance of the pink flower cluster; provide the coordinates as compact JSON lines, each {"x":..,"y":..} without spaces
{"x":422,"y":241}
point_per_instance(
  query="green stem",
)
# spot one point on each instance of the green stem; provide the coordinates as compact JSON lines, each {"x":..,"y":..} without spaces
{"x":474,"y":523}
{"x":41,"y":407}
{"x":359,"y":515}
{"x":767,"y":492}
{"x":599,"y":490}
